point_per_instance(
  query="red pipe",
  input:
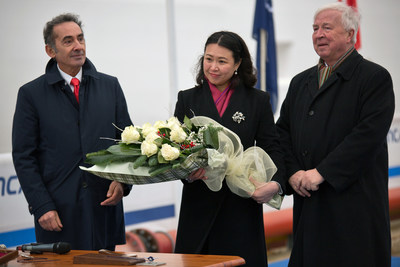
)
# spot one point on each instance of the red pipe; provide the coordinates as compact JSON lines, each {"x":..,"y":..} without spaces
{"x":394,"y":199}
{"x":278,"y":223}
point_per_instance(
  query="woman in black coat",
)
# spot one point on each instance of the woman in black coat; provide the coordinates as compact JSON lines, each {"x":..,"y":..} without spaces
{"x":221,"y":222}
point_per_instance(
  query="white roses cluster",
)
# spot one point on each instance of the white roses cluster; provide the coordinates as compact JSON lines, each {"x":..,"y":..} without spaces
{"x":150,"y":138}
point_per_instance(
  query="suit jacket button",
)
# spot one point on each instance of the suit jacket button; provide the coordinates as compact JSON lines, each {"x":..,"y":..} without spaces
{"x":304,"y":153}
{"x":84,"y":185}
{"x":311,"y":112}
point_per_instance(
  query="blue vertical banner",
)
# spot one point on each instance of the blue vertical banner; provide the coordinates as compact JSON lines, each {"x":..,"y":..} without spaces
{"x":263,"y":33}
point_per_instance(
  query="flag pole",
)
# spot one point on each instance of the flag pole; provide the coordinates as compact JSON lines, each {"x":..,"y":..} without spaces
{"x":263,"y":60}
{"x":172,"y":55}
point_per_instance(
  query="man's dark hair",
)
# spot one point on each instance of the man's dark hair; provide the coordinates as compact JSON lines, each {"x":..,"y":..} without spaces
{"x":48,"y":33}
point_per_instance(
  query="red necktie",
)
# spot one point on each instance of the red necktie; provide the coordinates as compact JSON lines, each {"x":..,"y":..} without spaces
{"x":75,"y":83}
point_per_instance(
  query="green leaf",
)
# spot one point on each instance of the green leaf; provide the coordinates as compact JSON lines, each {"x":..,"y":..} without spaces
{"x":108,"y":158}
{"x":125,"y":150}
{"x":161,"y":158}
{"x":98,"y":157}
{"x":175,"y":145}
{"x":176,"y":165}
{"x":139,"y":161}
{"x":153,"y":161}
{"x":158,"y":141}
{"x":188,"y":123}
{"x":166,"y":141}
{"x":182,"y":157}
{"x":140,"y":130}
{"x":195,"y":149}
{"x":210,"y":136}
{"x":160,"y":169}
{"x":124,"y":159}
{"x":132,"y":146}
{"x":98,"y":153}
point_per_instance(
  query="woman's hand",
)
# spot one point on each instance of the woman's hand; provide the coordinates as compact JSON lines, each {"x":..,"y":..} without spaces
{"x":197,"y":175}
{"x":264,"y":191}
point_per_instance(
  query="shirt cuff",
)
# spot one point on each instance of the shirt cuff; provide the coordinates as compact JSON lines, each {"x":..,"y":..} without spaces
{"x":280,"y":192}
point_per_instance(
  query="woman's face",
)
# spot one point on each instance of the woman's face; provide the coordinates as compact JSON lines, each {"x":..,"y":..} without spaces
{"x":219,"y":65}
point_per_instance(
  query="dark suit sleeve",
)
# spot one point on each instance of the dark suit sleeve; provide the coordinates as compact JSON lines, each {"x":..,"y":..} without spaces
{"x":180,"y":113}
{"x":267,"y":138}
{"x":284,"y":131}
{"x":123,"y":119}
{"x":25,"y":146}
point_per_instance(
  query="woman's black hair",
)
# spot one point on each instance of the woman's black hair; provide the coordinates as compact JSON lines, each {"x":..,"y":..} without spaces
{"x":230,"y":40}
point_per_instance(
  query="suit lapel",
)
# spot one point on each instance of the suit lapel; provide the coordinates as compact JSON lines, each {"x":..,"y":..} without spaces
{"x":312,"y":84}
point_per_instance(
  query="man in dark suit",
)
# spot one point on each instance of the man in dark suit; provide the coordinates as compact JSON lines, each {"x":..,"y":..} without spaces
{"x":54,"y":128}
{"x":333,"y":126}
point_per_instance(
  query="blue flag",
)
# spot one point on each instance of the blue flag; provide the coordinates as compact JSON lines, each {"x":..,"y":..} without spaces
{"x":263,"y":21}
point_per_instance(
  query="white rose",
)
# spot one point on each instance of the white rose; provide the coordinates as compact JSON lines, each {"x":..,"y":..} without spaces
{"x":160,"y":124}
{"x":151,"y":137}
{"x":148,"y":148}
{"x":130,"y":135}
{"x":169,"y":153}
{"x":147,"y":128}
{"x":173,"y":123}
{"x":178,"y":135}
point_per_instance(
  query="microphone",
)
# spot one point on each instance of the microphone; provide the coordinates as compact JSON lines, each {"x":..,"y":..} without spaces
{"x":38,"y":248}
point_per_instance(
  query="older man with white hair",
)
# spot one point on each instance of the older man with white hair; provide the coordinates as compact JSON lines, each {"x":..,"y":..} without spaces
{"x":333,"y":126}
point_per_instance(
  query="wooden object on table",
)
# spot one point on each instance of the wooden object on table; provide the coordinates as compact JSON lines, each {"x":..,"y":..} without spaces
{"x":171,"y":260}
{"x":101,"y":259}
{"x":7,"y":255}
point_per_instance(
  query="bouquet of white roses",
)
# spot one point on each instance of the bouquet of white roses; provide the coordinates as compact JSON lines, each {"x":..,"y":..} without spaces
{"x":165,"y":151}
{"x":169,"y":150}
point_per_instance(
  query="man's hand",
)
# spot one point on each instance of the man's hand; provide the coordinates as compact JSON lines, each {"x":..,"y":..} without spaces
{"x":311,"y":180}
{"x":50,"y":221}
{"x":304,"y":181}
{"x":264,"y":191}
{"x":295,"y":182}
{"x":114,"y":194}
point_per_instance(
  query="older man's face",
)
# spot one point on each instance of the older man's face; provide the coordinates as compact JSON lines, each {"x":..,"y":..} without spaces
{"x":330,"y":39}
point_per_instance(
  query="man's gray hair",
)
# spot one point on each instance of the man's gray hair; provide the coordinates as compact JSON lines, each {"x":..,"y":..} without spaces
{"x":350,"y":16}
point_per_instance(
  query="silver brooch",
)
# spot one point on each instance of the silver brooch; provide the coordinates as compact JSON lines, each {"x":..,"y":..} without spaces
{"x":238,"y":117}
